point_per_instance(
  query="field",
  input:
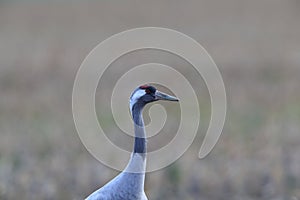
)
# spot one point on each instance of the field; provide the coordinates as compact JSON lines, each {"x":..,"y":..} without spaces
{"x":255,"y":44}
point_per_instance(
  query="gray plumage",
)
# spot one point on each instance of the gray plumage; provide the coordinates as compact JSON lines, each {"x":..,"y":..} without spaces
{"x":129,"y":184}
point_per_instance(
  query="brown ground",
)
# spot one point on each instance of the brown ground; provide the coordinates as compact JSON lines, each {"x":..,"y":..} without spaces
{"x":256,"y":45}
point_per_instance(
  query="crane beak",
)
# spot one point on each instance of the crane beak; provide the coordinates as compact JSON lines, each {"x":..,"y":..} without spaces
{"x":162,"y":96}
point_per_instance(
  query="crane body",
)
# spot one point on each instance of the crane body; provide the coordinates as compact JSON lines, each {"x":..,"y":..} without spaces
{"x":129,"y":184}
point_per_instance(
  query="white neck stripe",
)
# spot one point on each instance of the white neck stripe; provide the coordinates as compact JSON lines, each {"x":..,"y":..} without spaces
{"x":135,"y":97}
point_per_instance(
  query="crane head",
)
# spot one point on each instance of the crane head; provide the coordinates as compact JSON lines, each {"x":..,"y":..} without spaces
{"x":146,"y":94}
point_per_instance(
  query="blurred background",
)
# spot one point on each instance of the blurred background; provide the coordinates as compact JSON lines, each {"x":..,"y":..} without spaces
{"x":256,"y":45}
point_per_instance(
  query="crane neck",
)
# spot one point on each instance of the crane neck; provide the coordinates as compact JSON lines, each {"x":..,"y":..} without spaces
{"x":140,"y":145}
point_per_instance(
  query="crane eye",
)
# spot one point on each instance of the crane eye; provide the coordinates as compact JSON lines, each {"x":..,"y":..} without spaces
{"x":148,"y":91}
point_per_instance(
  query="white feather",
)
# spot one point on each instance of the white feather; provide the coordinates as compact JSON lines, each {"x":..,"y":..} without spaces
{"x":138,"y":93}
{"x":125,"y":186}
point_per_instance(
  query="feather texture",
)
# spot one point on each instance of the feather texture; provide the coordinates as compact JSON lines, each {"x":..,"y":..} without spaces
{"x":129,"y":184}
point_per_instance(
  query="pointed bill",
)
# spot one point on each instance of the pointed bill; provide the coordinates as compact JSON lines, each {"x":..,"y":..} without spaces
{"x":162,"y":96}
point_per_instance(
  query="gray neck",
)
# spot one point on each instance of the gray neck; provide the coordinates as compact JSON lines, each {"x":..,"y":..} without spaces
{"x":140,"y":145}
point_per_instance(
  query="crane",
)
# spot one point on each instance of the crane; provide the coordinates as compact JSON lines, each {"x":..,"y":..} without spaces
{"x":129,"y":184}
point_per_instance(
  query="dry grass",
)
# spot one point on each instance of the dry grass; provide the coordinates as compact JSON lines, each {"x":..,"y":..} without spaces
{"x":256,"y":46}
